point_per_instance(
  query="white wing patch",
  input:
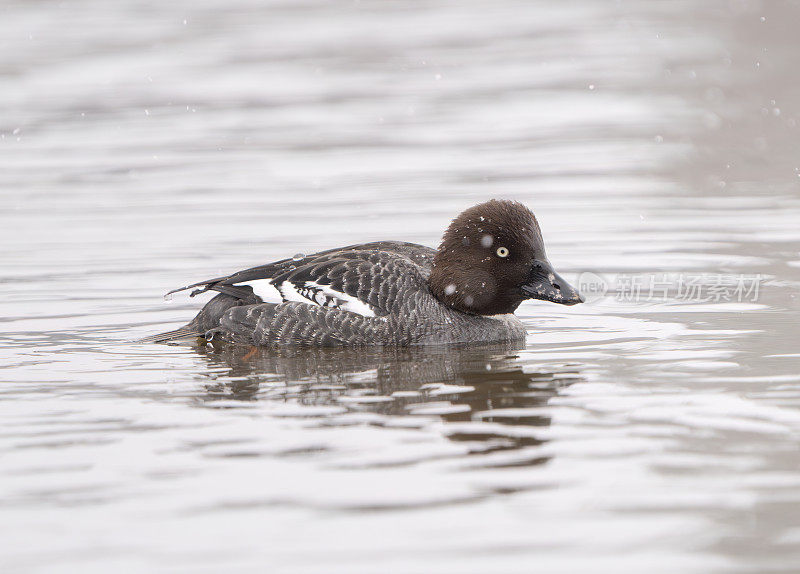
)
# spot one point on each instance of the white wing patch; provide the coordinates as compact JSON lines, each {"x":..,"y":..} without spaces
{"x":310,"y":292}
{"x":265,"y":289}
{"x":341,"y":300}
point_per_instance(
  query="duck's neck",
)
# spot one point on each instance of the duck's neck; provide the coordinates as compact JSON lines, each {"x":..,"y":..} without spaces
{"x":474,"y":292}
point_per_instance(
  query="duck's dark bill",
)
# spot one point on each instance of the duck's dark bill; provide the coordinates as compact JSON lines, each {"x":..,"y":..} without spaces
{"x":545,"y":284}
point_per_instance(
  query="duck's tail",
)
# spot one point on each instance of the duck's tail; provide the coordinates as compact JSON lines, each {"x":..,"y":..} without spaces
{"x":186,"y":332}
{"x":208,"y":318}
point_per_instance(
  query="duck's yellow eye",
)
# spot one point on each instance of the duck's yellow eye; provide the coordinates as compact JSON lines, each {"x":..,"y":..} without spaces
{"x":502,"y":252}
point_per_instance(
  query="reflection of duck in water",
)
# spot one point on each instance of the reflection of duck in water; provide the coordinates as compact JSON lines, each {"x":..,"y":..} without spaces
{"x":489,"y":387}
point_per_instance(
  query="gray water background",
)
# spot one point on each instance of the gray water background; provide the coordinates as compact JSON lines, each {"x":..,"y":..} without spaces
{"x":144,"y":146}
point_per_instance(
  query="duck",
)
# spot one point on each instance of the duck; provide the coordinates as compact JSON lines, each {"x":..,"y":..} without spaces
{"x":389,"y":293}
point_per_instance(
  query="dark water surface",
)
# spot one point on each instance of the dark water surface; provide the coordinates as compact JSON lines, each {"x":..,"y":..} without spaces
{"x":653,"y":429}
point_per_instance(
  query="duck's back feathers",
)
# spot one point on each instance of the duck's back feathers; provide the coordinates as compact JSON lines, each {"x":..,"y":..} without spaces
{"x":359,"y":278}
{"x":329,"y":298}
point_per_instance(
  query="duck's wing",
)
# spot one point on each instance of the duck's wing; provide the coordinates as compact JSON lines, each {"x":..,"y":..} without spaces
{"x":237,"y":283}
{"x":364,"y":279}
